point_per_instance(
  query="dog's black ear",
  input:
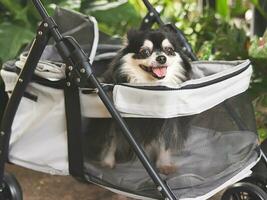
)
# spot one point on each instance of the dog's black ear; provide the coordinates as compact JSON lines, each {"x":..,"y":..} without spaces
{"x":133,"y":35}
{"x":167,"y":28}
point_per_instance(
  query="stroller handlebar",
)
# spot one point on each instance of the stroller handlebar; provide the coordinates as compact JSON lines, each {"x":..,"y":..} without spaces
{"x":41,"y":9}
{"x":151,"y":9}
{"x":49,"y":20}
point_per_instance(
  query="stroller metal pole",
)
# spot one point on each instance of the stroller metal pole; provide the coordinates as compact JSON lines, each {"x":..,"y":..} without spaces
{"x":39,"y":6}
{"x":49,"y":20}
{"x":24,"y":78}
{"x":79,"y":59}
{"x":153,"y":16}
{"x":151,"y":9}
{"x":161,"y":186}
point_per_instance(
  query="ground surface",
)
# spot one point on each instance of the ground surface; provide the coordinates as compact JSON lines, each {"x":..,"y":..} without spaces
{"x":39,"y":186}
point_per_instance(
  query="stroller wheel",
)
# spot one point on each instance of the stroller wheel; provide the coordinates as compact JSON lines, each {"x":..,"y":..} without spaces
{"x":11,"y":189}
{"x":258,"y":180}
{"x":244,"y":191}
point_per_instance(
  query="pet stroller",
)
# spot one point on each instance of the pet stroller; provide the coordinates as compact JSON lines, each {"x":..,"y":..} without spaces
{"x":59,"y":110}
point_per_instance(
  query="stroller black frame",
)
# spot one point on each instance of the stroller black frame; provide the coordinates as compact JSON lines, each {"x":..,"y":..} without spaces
{"x":78,"y":65}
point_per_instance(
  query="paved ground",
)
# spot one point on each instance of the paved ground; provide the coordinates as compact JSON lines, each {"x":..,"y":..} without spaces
{"x":39,"y":186}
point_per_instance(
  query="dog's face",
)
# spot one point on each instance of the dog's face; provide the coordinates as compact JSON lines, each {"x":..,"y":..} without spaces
{"x":151,"y":56}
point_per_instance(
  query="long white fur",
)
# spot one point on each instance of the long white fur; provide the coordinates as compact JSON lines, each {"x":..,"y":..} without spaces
{"x":175,"y":70}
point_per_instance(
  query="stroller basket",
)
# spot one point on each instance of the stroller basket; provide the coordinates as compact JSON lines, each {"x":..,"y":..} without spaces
{"x":207,"y":123}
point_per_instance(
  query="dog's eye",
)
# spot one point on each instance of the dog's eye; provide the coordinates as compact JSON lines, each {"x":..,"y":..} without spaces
{"x":145,"y":52}
{"x":169,"y":51}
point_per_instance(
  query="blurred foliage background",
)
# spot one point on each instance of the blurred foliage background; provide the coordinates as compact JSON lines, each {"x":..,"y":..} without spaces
{"x":220,"y":31}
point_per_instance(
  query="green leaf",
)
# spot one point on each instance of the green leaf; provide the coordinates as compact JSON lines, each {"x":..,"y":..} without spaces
{"x":262,"y":133}
{"x":239,"y":8}
{"x":230,"y":35}
{"x":117,"y":19}
{"x":70,"y":4}
{"x":223,"y":9}
{"x":258,"y":83}
{"x":21,"y":15}
{"x":258,"y":47}
{"x":255,"y":2}
{"x":12,"y":5}
{"x":12,"y":37}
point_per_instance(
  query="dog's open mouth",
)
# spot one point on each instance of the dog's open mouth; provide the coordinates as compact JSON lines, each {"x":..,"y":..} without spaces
{"x":158,"y":72}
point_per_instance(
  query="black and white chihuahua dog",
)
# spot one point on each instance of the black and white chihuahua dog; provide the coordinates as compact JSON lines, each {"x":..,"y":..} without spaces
{"x":151,"y":56}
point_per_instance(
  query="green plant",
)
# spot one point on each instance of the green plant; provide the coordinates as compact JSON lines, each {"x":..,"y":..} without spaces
{"x":114,"y":18}
{"x":18,"y":23}
{"x":260,"y":105}
{"x":258,"y":56}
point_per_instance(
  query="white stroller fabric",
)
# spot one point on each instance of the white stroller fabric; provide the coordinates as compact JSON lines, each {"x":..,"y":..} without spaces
{"x":52,"y":71}
{"x":173,"y":102}
{"x":39,"y":135}
{"x":38,"y":139}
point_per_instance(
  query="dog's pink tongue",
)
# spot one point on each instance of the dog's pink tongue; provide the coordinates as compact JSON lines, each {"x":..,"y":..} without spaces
{"x":160,"y":71}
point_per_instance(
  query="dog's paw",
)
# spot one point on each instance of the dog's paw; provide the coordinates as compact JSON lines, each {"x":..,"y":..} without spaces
{"x":108,"y":165}
{"x":108,"y":162}
{"x":167,"y":169}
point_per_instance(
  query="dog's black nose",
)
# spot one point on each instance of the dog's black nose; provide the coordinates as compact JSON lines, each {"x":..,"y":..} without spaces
{"x":161,"y":59}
